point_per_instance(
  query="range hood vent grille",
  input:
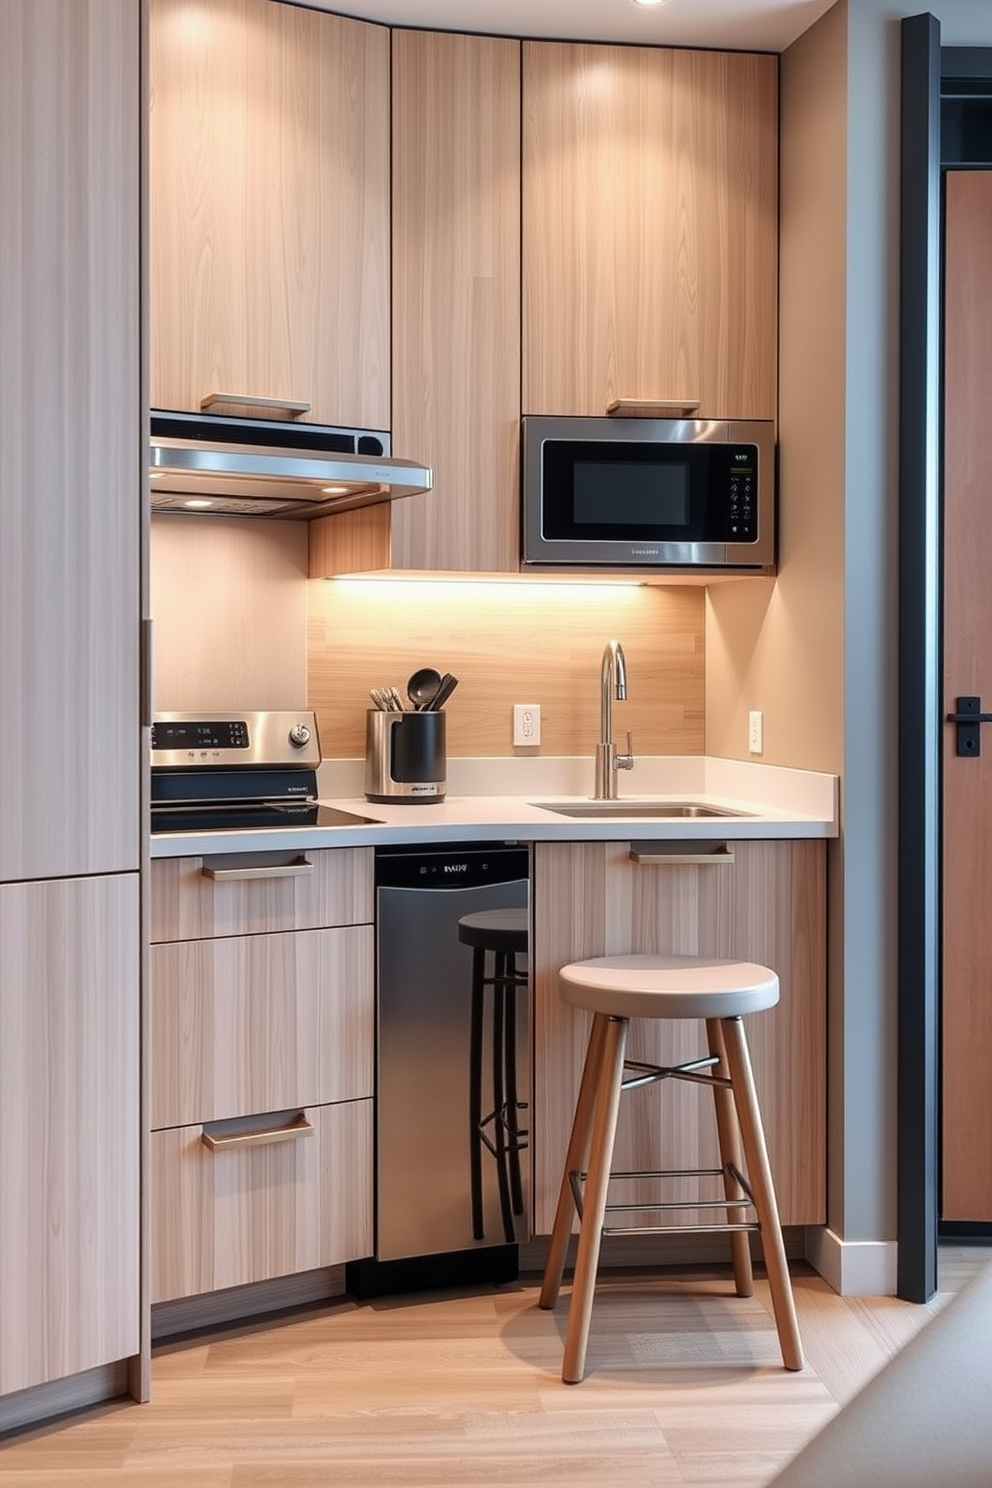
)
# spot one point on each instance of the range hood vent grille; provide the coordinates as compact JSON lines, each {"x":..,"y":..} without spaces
{"x":220,"y":465}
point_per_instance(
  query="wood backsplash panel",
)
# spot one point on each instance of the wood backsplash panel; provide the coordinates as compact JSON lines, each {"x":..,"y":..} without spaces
{"x":510,"y":643}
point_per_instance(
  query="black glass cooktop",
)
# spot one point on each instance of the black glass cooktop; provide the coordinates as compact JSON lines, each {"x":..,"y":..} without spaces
{"x":253,"y":817}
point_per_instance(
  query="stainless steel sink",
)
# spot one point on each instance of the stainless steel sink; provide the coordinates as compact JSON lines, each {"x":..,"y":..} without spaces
{"x":672,"y":810}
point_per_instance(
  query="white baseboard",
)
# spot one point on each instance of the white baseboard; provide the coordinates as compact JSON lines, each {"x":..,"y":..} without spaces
{"x":854,"y":1268}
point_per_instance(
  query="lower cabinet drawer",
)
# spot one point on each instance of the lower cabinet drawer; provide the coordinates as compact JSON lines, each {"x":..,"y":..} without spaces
{"x":260,"y":1023}
{"x":224,"y":1215}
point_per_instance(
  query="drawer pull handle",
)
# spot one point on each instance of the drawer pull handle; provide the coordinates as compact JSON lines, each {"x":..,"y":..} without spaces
{"x":301,"y":1127}
{"x":654,"y":853}
{"x":292,"y":406}
{"x":295,"y":869}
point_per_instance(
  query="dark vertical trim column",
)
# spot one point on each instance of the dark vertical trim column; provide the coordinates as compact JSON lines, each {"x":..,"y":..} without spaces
{"x":919,"y":663}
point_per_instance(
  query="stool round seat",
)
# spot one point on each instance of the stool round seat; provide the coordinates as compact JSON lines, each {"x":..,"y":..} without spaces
{"x":495,"y":929}
{"x":668,"y":986}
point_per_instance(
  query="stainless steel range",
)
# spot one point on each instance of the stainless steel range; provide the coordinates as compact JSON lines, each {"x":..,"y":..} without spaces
{"x":216,"y":771}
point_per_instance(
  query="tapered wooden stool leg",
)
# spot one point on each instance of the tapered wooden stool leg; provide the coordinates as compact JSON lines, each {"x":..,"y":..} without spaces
{"x":760,"y":1176}
{"x":576,"y":1161}
{"x":604,"y":1131}
{"x":729,"y":1136}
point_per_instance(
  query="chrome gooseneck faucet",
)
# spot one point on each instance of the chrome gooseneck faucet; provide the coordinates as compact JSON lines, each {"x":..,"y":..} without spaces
{"x":608,"y":762}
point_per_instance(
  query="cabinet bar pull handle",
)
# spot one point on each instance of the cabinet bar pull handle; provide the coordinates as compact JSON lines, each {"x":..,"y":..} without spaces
{"x":654,"y":853}
{"x":301,"y":1127}
{"x":295,"y":869}
{"x":292,"y":406}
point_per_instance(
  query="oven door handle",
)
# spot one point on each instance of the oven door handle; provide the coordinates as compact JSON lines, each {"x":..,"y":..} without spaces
{"x":296,"y":869}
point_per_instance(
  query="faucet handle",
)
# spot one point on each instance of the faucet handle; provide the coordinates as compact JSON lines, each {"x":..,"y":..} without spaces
{"x":626,"y":761}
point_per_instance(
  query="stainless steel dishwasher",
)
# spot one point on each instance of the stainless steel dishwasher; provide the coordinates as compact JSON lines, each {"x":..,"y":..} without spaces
{"x":440,"y":1213}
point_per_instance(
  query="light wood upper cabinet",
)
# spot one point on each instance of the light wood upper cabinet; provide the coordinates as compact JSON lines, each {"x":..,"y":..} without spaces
{"x":69,"y":1116}
{"x":269,"y":210}
{"x":649,"y":228}
{"x":71,"y":456}
{"x":456,"y":297}
{"x":768,"y":906}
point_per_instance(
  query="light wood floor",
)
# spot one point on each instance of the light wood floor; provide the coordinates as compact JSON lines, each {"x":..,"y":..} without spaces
{"x":685,"y":1386}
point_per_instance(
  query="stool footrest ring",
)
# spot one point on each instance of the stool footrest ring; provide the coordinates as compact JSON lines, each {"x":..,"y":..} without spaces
{"x":682,"y":1229}
{"x":743,"y":1200}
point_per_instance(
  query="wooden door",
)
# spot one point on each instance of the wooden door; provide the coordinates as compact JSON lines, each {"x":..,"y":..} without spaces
{"x":456,"y":297}
{"x":966,"y":1018}
{"x":768,"y":906}
{"x":71,"y":451}
{"x":650,"y":228}
{"x":70,"y":1119}
{"x":269,"y":207}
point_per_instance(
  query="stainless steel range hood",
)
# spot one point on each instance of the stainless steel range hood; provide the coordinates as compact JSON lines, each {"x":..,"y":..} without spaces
{"x":227,"y":466}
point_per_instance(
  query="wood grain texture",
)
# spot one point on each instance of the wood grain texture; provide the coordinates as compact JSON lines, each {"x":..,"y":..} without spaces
{"x":649,"y":228}
{"x":261,"y":1023}
{"x":228,"y":603}
{"x":71,"y":457}
{"x":225,"y":1218}
{"x":511,"y":643}
{"x":966,"y":1031}
{"x":456,"y":297}
{"x":69,"y":1114}
{"x":355,"y":542}
{"x":269,"y":215}
{"x":768,"y":907}
{"x":187,"y":905}
{"x":462,"y":1387}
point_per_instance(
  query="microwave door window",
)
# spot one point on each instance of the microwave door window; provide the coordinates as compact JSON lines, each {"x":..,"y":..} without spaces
{"x":638,"y":496}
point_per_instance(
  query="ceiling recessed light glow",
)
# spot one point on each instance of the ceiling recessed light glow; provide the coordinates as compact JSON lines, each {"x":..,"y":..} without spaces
{"x":198,"y":504}
{"x":334,"y":490}
{"x":649,"y":2}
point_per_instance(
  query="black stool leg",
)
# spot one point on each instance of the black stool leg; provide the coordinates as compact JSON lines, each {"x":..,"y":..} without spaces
{"x":514,"y":1144}
{"x":499,"y":1094}
{"x":475,"y":1090}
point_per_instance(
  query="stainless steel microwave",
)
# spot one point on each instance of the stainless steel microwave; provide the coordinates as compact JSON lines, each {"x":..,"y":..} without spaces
{"x":647,"y":493}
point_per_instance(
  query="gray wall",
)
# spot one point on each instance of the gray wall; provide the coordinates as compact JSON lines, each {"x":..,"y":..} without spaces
{"x":863,"y":68}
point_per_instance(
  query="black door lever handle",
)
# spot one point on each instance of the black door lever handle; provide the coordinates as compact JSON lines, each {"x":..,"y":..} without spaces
{"x":968,"y":717}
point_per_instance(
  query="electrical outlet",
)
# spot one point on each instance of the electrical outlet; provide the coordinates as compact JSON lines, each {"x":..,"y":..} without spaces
{"x":526,"y":723}
{"x":754,"y":731}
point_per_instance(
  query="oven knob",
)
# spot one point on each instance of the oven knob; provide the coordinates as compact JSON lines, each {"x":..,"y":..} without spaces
{"x":299,"y":735}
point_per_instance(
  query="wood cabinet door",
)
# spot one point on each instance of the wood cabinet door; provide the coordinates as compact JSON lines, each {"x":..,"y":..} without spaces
{"x":247,"y":894}
{"x":238,"y":1214}
{"x":269,"y":207}
{"x":456,"y":297}
{"x":71,"y":453}
{"x":252,"y":1023}
{"x":650,"y":227}
{"x":768,"y":906}
{"x":70,"y":1120}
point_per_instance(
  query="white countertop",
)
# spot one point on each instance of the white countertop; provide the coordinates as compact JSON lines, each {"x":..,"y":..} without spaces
{"x":499,"y":800}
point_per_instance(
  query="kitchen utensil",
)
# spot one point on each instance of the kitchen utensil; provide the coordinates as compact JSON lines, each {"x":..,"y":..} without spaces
{"x":446,"y":687}
{"x":395,"y":701}
{"x":375,"y":693}
{"x":422,"y":687}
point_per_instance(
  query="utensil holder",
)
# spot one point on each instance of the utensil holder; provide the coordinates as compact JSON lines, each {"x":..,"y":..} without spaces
{"x":405,"y":756}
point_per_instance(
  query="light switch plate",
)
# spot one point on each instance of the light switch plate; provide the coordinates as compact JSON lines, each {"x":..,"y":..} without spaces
{"x":755,"y":731}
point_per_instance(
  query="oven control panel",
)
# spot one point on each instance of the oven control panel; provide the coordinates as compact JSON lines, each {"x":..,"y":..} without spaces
{"x":250,"y":740}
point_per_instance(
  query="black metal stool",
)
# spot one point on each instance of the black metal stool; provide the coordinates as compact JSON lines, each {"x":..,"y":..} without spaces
{"x":503,"y":932}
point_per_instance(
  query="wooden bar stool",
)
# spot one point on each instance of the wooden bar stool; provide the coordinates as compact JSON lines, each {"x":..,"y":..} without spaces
{"x":615,"y":989}
{"x":501,"y":933}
